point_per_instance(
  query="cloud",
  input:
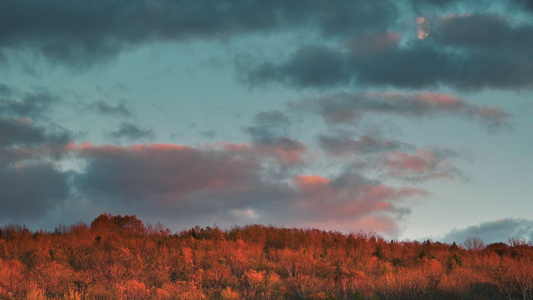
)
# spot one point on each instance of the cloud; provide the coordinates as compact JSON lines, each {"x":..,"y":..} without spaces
{"x":311,"y":66}
{"x":32,"y":185}
{"x":29,"y":104}
{"x":209,"y":133}
{"x":22,"y":132}
{"x":33,"y":190}
{"x":5,"y":90}
{"x":343,"y":145}
{"x":496,"y":47}
{"x":21,"y":138}
{"x":346,"y":108}
{"x":477,"y":5}
{"x":102,"y":107}
{"x":25,"y":135}
{"x":231,"y":183}
{"x":525,"y":4}
{"x":350,"y":199}
{"x":270,"y":136}
{"x":192,"y":184}
{"x":161,"y":169}
{"x":494,"y":231}
{"x":391,"y":158}
{"x":420,"y":166}
{"x":130,"y":132}
{"x":372,"y":42}
{"x":268,"y":126}
{"x":467,"y":52}
{"x":359,"y":43}
{"x":83,"y":32}
{"x":288,"y":151}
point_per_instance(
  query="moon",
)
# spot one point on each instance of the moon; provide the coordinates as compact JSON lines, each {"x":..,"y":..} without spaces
{"x":423,"y":27}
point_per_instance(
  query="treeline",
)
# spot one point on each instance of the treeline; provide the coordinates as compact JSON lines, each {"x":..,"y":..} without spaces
{"x":117,"y":257}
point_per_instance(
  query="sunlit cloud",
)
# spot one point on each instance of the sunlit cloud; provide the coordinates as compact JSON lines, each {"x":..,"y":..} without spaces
{"x":231,"y":180}
{"x":346,"y":108}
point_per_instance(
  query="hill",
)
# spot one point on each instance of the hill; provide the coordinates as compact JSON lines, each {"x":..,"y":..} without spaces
{"x":118,"y":257}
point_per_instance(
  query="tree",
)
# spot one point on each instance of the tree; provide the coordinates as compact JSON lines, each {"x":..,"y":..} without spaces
{"x":474,"y":243}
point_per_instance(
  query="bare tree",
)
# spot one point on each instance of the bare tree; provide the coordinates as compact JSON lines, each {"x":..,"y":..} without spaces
{"x":474,"y":243}
{"x":518,"y":242}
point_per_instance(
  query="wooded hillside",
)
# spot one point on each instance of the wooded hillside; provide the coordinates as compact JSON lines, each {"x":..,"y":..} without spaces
{"x":117,"y":257}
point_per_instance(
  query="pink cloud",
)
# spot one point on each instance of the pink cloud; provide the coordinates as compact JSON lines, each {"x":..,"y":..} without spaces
{"x":287,"y":150}
{"x":226,"y":181}
{"x":305,"y":181}
{"x":347,"y":200}
{"x":351,"y":108}
{"x":420,"y":166}
{"x":422,"y":161}
{"x":439,"y":100}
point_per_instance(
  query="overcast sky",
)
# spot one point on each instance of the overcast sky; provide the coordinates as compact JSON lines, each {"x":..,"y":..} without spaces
{"x":335,"y":115}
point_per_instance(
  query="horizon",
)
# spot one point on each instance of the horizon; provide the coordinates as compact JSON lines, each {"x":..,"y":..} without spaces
{"x":161,"y":228}
{"x":410,"y":119}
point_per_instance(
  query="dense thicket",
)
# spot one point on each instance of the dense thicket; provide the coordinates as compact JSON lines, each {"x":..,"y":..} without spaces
{"x":117,"y":257}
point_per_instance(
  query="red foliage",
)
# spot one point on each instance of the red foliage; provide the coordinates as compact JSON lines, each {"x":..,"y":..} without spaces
{"x":117,"y":257}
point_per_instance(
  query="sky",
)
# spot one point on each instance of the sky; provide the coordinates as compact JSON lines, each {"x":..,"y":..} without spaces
{"x":342,"y":115}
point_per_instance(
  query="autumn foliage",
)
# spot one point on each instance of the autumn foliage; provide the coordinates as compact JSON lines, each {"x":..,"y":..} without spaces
{"x":117,"y":257}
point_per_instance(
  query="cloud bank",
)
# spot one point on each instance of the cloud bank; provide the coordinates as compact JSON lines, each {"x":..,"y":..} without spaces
{"x":494,"y":231}
{"x":219,"y":181}
{"x":84,"y":32}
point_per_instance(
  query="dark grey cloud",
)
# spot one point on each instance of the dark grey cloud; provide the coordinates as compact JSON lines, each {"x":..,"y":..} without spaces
{"x":31,"y":185}
{"x":494,"y":231}
{"x":526,"y":4}
{"x":321,"y":66}
{"x":496,"y":46}
{"x":103,"y":107}
{"x":22,"y":132}
{"x":23,"y":135}
{"x":349,"y":108}
{"x":84,"y":31}
{"x":22,"y":138}
{"x":131,"y":132}
{"x":312,"y":66}
{"x":484,"y":33}
{"x":26,"y":104}
{"x":474,"y":5}
{"x":29,"y":191}
{"x":155,"y":171}
{"x":268,"y":126}
{"x":477,"y":5}
{"x":467,"y":52}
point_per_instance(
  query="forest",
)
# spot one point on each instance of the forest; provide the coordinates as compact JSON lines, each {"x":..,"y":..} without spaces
{"x":118,"y":257}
